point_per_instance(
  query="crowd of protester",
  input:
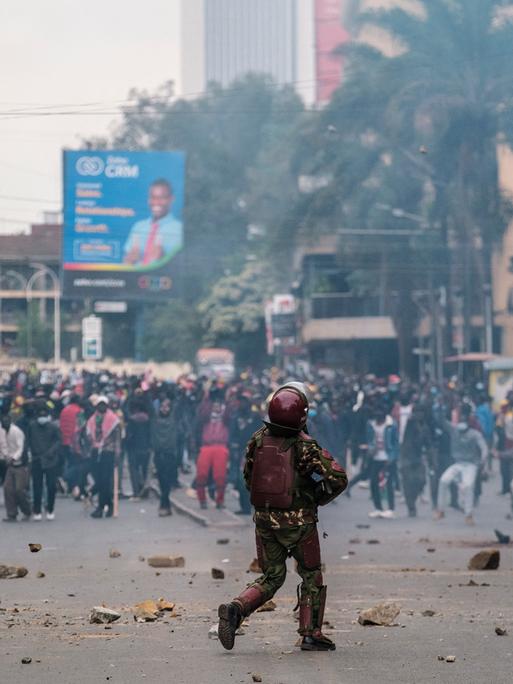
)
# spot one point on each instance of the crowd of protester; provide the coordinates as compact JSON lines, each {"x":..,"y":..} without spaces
{"x":87,"y":435}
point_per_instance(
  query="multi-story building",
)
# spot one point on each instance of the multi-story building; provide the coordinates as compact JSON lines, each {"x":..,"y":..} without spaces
{"x":30,"y":272}
{"x":292,"y":40}
{"x":342,"y":328}
{"x":338,"y":328}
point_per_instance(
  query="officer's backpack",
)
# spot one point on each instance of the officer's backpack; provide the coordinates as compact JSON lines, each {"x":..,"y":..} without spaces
{"x":273,"y":474}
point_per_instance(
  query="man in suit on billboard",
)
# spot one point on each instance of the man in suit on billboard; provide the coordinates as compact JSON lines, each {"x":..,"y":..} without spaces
{"x":158,"y":237}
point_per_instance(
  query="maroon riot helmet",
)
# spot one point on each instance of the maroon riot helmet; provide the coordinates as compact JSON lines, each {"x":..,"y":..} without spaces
{"x":288,"y":407}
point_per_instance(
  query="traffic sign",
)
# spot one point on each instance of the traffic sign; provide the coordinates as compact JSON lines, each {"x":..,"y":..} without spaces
{"x":91,"y":338}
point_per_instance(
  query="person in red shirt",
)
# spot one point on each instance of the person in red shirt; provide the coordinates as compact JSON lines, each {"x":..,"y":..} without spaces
{"x":213,"y":455}
{"x":71,"y":421}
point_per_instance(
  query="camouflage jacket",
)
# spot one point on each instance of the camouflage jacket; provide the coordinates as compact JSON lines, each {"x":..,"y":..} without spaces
{"x":310,"y":462}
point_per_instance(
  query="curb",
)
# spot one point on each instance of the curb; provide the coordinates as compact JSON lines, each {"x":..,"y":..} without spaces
{"x":230,"y":519}
{"x":189,"y":513}
{"x":221,"y":519}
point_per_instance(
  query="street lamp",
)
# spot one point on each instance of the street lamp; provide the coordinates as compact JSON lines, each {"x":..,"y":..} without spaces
{"x":399,"y":213}
{"x":42,"y":271}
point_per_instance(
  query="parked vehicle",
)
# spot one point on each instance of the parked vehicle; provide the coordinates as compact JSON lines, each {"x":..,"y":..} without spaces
{"x":216,"y":363}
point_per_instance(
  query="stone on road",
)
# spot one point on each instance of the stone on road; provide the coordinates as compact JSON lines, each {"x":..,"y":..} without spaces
{"x":166,"y":561}
{"x":384,"y":615}
{"x":100,"y":615}
{"x":12,"y":572}
{"x":489,"y":559}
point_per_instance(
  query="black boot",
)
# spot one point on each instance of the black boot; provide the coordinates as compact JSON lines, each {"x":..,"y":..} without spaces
{"x":231,"y":614}
{"x":98,"y":513}
{"x":230,"y":617}
{"x":110,"y":512}
{"x":310,"y":624}
{"x":317,"y":642}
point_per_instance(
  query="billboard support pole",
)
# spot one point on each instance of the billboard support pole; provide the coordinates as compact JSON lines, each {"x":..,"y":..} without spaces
{"x":139,"y":331}
{"x":57,"y":327}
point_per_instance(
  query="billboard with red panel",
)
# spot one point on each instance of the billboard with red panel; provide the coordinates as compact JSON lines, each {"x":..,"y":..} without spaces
{"x":329,"y":35}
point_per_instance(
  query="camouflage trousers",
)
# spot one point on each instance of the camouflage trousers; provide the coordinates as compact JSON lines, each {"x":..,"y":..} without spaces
{"x":274,"y":546}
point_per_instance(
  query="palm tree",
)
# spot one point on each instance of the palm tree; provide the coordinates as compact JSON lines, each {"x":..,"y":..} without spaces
{"x":422,"y":127}
{"x":452,"y":87}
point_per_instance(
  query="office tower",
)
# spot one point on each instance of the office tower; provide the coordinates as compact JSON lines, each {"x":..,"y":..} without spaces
{"x":292,"y":40}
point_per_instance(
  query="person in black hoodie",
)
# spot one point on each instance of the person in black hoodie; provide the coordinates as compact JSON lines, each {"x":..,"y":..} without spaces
{"x":243,"y":425}
{"x":44,"y":441}
{"x":163,"y":442}
{"x":138,"y":441}
{"x":414,"y":458}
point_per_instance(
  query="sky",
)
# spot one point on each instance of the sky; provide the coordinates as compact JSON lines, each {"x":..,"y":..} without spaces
{"x":62,"y":55}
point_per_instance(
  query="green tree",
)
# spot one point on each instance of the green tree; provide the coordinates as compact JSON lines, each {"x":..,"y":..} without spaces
{"x":239,"y":187}
{"x":363,"y":177}
{"x":35,"y":337}
{"x":451,"y":89}
{"x":172,"y":332}
{"x":229,"y":135}
{"x":232,"y":314}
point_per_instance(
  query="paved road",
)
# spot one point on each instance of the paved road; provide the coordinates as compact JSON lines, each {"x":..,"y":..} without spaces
{"x":47,"y":619}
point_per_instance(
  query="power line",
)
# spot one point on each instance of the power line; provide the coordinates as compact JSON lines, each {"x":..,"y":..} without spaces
{"x":223,"y":92}
{"x":15,"y":167}
{"x":29,"y":199}
{"x":232,"y":90}
{"x":46,"y":111}
{"x":7,"y":219}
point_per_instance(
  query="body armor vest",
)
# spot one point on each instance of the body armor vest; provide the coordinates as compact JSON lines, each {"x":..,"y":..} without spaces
{"x":273,"y":475}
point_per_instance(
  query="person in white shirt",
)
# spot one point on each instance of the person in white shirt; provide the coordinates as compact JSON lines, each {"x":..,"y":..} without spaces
{"x":383,"y":440}
{"x":405,"y":411}
{"x":17,"y":478}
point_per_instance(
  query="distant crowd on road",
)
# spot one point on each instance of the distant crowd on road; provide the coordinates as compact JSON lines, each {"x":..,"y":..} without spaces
{"x":79,"y":434}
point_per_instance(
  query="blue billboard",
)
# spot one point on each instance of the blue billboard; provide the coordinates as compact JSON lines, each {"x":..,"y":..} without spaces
{"x":123,"y":225}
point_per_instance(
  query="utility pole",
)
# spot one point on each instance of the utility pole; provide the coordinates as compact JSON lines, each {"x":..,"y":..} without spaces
{"x":439,"y":337}
{"x":488,"y":312}
{"x":467,"y":295}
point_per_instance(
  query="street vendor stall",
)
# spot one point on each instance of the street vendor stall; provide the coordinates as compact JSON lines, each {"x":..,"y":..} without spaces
{"x":500,"y":379}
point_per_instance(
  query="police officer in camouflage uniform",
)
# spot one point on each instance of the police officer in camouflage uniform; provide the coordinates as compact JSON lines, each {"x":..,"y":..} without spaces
{"x":289,"y":475}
